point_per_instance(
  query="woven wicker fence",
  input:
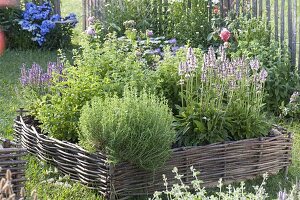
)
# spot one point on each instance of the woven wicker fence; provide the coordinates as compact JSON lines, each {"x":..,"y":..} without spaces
{"x":231,"y":161}
{"x":11,"y":158}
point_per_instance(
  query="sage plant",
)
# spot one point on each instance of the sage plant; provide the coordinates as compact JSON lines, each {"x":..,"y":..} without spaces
{"x":222,"y":100}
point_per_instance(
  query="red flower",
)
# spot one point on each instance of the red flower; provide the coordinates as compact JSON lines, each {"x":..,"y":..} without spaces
{"x":216,"y":10}
{"x":225,"y":35}
{"x":2,"y":42}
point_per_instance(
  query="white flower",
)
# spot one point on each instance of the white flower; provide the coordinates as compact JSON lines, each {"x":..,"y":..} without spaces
{"x":215,"y":1}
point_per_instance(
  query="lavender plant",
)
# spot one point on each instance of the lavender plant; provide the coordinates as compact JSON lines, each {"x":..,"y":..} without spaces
{"x":36,"y":82}
{"x":221,"y":101}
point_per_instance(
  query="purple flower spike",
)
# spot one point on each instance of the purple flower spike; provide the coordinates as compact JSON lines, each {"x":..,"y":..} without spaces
{"x":282,"y":195}
{"x":254,"y":64}
{"x":149,"y":33}
{"x":181,"y":69}
{"x":171,"y":41}
{"x":263,"y":75}
{"x":90,"y":31}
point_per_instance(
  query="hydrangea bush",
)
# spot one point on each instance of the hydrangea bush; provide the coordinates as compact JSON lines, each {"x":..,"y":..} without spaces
{"x":40,"y":21}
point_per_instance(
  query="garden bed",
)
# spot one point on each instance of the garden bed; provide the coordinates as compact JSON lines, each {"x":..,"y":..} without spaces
{"x":231,"y":161}
{"x":11,"y":159}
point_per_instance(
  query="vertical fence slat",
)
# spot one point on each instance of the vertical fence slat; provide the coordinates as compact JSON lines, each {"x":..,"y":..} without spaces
{"x":84,"y":15}
{"x":260,"y":6}
{"x":254,"y":8}
{"x":290,"y":24}
{"x":282,"y":29}
{"x":222,"y":8}
{"x":294,"y":32}
{"x":268,"y":8}
{"x":276,"y":14}
{"x":299,"y":46}
{"x":237,"y":7}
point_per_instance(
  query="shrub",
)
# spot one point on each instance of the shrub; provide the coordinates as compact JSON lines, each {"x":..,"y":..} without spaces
{"x":16,"y":37}
{"x":135,"y":128}
{"x":98,"y":70}
{"x":37,"y":27}
{"x":222,"y":100}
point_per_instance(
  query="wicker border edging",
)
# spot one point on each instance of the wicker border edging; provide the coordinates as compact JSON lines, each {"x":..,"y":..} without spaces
{"x":10,"y":158}
{"x":231,"y":161}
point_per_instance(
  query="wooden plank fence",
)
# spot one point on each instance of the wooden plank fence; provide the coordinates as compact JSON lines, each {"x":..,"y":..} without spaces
{"x":283,"y":16}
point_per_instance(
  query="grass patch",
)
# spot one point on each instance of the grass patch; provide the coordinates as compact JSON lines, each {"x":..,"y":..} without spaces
{"x":50,"y":185}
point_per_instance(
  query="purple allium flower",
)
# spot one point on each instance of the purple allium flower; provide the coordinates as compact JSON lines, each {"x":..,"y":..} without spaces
{"x":294,"y":97}
{"x":149,"y":33}
{"x":254,"y":64}
{"x":90,"y":31}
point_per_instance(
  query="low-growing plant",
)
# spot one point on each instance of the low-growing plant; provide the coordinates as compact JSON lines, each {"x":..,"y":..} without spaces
{"x":135,"y":128}
{"x":183,"y":191}
{"x":292,"y":109}
{"x":221,"y":101}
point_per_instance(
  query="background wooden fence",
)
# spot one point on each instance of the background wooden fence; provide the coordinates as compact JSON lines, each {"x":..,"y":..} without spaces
{"x":56,"y":4}
{"x":283,"y":16}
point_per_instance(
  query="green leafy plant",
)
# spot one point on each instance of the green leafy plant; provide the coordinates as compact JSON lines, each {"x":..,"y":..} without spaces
{"x":98,"y":70}
{"x":282,"y":79}
{"x":221,"y":101}
{"x":15,"y":36}
{"x":135,"y":128}
{"x":292,"y":109}
{"x":183,"y":20}
{"x":182,"y":191}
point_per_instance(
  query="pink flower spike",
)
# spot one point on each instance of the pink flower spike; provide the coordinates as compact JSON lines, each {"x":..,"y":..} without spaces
{"x":225,"y":34}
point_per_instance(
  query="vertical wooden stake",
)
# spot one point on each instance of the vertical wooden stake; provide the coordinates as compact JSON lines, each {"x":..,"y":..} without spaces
{"x":84,"y":15}
{"x":282,"y":29}
{"x":276,"y":15}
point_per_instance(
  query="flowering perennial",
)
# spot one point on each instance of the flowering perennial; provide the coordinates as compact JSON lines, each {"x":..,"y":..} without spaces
{"x":36,"y":77}
{"x":39,"y":20}
{"x":222,"y":100}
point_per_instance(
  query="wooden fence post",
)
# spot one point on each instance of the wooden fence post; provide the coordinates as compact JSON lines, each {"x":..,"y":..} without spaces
{"x":276,"y":16}
{"x":83,"y":15}
{"x":282,"y":29}
{"x":56,"y":4}
{"x":294,"y":33}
